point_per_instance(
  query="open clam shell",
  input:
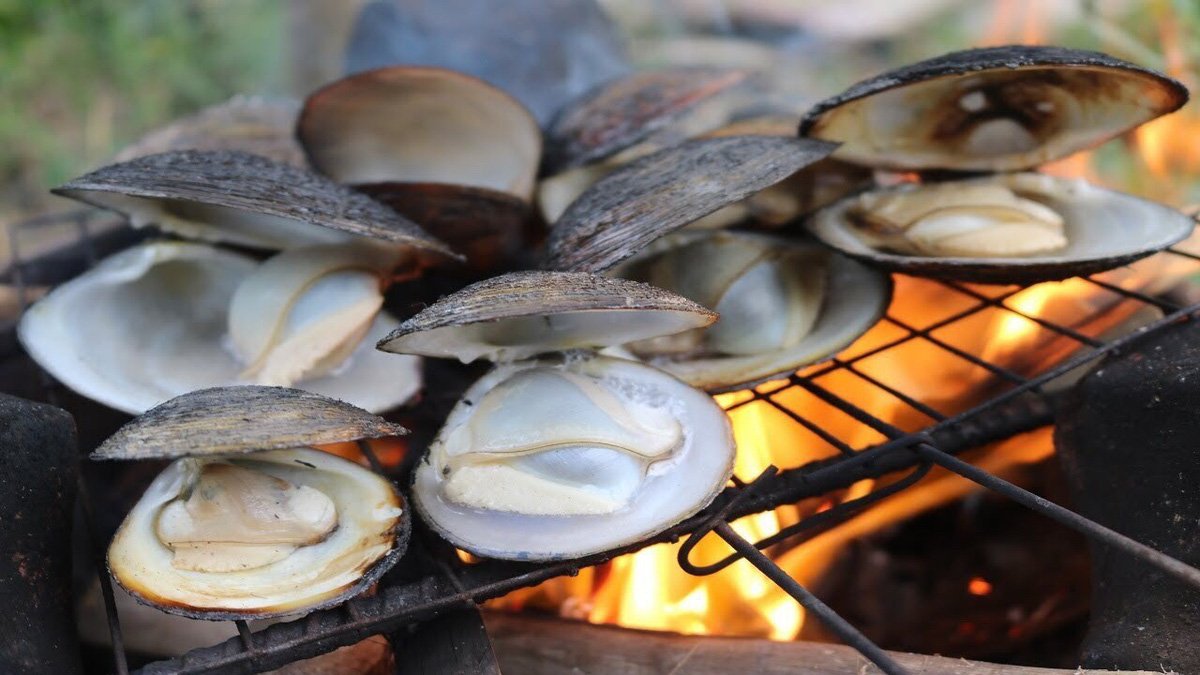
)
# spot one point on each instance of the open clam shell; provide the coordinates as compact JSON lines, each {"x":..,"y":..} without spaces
{"x":262,"y":126}
{"x":241,"y":198}
{"x":992,"y":109}
{"x":1103,"y":229}
{"x":486,"y":226}
{"x":622,"y":451}
{"x":303,"y":312}
{"x":158,"y":313}
{"x":235,"y":530}
{"x":661,"y":106}
{"x":517,"y":315}
{"x":783,"y":304}
{"x":410,"y":124}
{"x":559,"y":49}
{"x":646,"y":199}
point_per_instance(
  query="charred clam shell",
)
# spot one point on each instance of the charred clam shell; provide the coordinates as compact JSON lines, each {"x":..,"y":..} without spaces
{"x":993,"y":109}
{"x":249,"y":522}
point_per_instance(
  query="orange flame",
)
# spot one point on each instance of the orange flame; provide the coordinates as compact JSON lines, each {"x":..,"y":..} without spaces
{"x":648,"y":590}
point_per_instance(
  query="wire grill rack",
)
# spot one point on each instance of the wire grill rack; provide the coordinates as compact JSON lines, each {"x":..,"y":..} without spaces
{"x":1020,"y":401}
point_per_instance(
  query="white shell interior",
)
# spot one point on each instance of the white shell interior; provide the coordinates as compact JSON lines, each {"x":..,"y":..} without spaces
{"x":655,"y":492}
{"x":207,"y":222}
{"x":1099,"y":224}
{"x":996,"y":120}
{"x":855,"y":297}
{"x":368,"y":512}
{"x":149,"y":323}
{"x":422,"y":125}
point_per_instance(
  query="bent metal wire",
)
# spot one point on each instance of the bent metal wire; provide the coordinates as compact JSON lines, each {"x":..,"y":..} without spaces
{"x":1026,"y":405}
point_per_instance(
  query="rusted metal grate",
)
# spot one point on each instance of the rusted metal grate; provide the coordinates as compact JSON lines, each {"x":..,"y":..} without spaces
{"x":1021,"y":400}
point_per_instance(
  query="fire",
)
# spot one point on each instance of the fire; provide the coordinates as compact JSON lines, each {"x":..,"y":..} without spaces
{"x":648,"y":590}
{"x":979,"y":586}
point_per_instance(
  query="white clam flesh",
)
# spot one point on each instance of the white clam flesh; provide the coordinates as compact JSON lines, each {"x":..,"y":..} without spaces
{"x":1006,"y":228}
{"x":266,"y":534}
{"x":160,"y":315}
{"x":302,"y":313}
{"x":561,"y":458}
{"x":984,"y":219}
{"x":782,"y":305}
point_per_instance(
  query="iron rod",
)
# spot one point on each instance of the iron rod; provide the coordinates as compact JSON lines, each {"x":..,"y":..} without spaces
{"x":844,"y":629}
{"x":1085,"y":526}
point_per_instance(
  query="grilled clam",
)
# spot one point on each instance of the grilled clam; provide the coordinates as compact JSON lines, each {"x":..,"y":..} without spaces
{"x":435,"y":145}
{"x":551,"y":460}
{"x":668,"y":190}
{"x":565,"y":455}
{"x":177,"y":317}
{"x":629,"y":118}
{"x":992,"y":109}
{"x":783,"y":305}
{"x":160,"y":313}
{"x":239,"y":198}
{"x":248,"y":521}
{"x":996,"y":109}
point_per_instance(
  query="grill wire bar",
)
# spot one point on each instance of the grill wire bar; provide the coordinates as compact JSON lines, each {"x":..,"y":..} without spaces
{"x":1024,"y":406}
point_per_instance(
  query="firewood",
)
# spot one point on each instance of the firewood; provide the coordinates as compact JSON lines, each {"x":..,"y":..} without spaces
{"x":545,"y":646}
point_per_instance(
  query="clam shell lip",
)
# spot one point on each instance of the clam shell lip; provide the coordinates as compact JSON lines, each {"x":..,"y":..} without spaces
{"x":1005,"y":59}
{"x":453,"y":326}
{"x":699,"y":473}
{"x":241,"y":419}
{"x":623,"y":212}
{"x":246,"y":183}
{"x":398,"y":533}
{"x":622,"y":113}
{"x":1111,"y":229}
{"x":254,"y":124}
{"x":344,"y":130}
{"x":856,"y":298}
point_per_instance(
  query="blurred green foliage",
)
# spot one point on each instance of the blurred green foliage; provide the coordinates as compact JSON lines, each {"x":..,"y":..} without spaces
{"x":80,"y":78}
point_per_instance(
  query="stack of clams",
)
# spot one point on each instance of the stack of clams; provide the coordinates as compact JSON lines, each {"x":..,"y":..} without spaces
{"x":675,"y":265}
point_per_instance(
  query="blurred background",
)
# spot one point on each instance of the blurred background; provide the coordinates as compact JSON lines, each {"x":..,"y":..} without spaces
{"x":79,"y":80}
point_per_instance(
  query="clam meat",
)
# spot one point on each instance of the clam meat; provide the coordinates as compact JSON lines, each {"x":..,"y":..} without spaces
{"x":234,"y":530}
{"x":984,"y":219}
{"x":560,"y":458}
{"x":782,"y":305}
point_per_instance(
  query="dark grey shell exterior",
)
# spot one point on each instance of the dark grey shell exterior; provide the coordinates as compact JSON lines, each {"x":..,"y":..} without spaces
{"x":1006,"y":58}
{"x":624,"y":112}
{"x":241,"y":419}
{"x":532,"y":293}
{"x":658,"y":194}
{"x":254,"y":184}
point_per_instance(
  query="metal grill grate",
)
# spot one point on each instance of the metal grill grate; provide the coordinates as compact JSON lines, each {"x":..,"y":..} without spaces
{"x":1019,"y":401}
